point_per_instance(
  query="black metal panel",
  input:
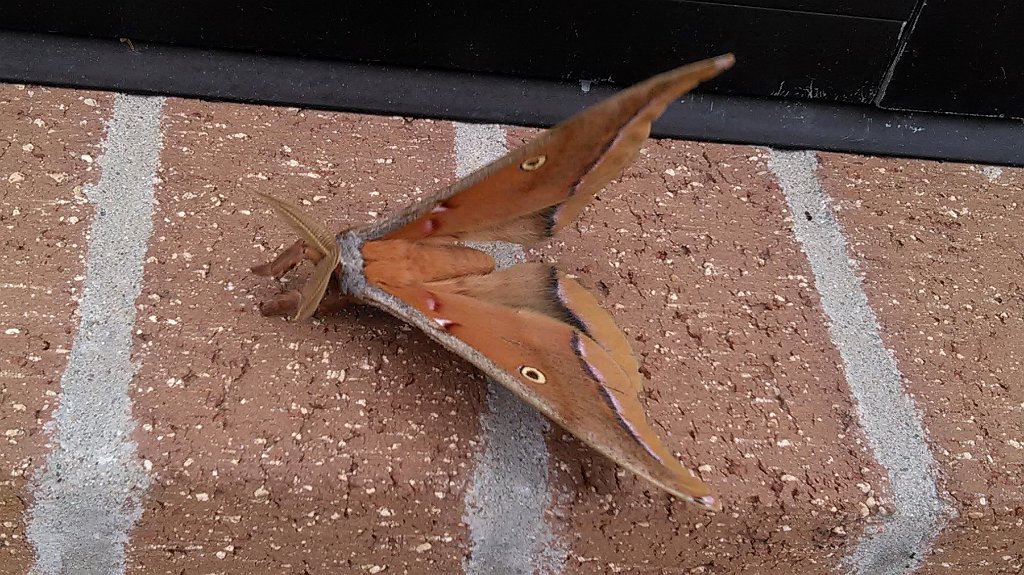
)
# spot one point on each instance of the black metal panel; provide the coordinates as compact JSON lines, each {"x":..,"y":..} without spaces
{"x":962,"y":57}
{"x":884,"y":9}
{"x":47,"y":59}
{"x":780,"y":53}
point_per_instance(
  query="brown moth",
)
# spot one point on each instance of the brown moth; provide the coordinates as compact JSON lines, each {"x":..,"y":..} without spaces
{"x":529,"y":327}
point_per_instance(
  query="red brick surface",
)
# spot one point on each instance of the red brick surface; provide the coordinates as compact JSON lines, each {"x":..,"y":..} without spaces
{"x":942,"y":253}
{"x":347,"y":444}
{"x":49,"y":140}
{"x":336,"y":446}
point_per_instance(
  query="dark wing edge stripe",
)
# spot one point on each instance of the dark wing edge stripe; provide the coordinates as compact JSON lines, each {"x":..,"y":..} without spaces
{"x":568,"y":316}
{"x":610,"y":400}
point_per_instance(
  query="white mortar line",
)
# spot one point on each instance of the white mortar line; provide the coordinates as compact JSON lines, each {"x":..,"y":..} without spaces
{"x":88,"y":495}
{"x":992,"y":173}
{"x":509,"y":490}
{"x":888,"y":416}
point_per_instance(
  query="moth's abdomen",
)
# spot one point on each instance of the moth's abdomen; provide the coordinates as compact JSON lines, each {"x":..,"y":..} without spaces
{"x":403,"y":262}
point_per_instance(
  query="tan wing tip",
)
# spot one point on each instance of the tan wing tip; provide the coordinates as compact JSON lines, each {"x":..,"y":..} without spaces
{"x":709,"y":502}
{"x":706,"y":501}
{"x":724,"y":62}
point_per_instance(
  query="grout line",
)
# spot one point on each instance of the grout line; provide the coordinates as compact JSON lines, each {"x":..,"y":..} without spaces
{"x":88,"y":494}
{"x":509,"y":491}
{"x":992,"y":173}
{"x":888,"y":415}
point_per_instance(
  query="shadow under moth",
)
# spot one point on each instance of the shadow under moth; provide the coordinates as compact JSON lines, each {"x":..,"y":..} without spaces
{"x":529,"y":327}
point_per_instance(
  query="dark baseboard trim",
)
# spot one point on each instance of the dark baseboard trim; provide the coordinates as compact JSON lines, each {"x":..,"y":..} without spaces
{"x":154,"y":69}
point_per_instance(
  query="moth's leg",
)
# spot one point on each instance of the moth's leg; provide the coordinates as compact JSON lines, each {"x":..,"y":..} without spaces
{"x":332,"y":303}
{"x":287,"y":303}
{"x":287,"y":260}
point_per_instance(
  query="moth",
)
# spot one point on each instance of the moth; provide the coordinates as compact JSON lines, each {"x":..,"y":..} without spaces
{"x":529,"y":327}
